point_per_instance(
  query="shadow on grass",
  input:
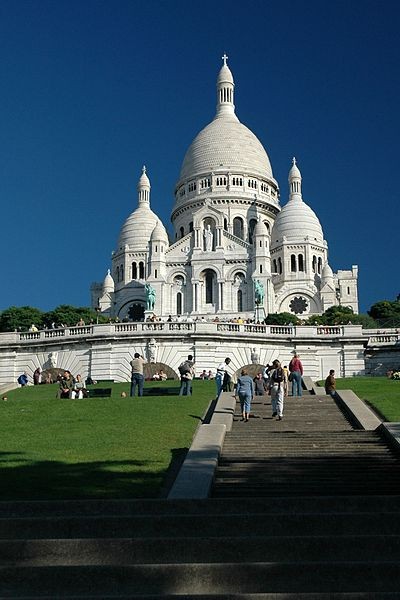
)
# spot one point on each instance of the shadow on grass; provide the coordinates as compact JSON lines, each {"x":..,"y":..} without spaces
{"x":23,"y":479}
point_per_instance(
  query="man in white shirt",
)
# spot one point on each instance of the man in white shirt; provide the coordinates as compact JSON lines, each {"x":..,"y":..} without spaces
{"x":219,"y":377}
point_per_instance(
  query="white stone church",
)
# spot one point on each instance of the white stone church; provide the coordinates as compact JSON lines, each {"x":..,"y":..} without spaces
{"x":230,"y":234}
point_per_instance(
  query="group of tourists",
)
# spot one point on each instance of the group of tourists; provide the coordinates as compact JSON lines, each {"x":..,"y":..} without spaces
{"x":274,"y":381}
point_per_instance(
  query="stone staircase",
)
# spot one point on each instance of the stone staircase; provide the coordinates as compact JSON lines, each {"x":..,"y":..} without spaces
{"x":304,"y":508}
{"x":314,"y":450}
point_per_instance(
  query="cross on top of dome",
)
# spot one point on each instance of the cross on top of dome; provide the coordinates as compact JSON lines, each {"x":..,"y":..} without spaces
{"x":225,"y":58}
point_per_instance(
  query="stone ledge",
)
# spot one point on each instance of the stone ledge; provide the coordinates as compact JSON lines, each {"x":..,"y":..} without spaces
{"x":224,"y":410}
{"x":391,"y":431}
{"x":197,"y":472}
{"x":361,"y":413}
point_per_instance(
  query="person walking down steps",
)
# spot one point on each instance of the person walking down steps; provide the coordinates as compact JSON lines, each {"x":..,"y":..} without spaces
{"x":278,"y":389}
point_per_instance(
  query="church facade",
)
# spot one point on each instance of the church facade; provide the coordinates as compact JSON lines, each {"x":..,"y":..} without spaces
{"x":235,"y":250}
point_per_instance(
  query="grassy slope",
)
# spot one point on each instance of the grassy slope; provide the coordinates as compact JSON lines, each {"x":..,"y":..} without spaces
{"x":118,"y":447}
{"x":381,"y":393}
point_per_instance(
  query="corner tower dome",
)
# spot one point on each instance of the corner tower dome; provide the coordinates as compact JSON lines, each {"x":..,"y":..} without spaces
{"x":138,"y":227}
{"x":225,"y":143}
{"x":108,"y":283}
{"x":296,"y":220}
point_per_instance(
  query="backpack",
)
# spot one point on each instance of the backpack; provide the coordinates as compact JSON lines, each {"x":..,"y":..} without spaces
{"x":277,"y":376}
{"x":184,"y":368}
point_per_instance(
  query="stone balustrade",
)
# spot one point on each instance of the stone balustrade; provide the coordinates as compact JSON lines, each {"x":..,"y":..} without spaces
{"x":171,"y":328}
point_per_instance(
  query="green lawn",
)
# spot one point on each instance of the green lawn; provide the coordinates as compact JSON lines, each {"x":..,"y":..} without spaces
{"x":381,"y":393}
{"x":99,"y":448}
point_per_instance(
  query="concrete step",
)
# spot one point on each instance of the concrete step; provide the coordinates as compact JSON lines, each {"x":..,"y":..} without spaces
{"x":179,"y":550}
{"x":244,"y":522}
{"x":198,"y":508}
{"x":235,"y":596}
{"x":207,"y":578}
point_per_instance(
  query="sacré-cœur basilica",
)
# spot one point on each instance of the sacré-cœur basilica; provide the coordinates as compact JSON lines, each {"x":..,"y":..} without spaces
{"x":231,"y":234}
{"x":235,"y":252}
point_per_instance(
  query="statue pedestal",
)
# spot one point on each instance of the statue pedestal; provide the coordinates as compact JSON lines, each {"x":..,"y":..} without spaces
{"x":259,"y":314}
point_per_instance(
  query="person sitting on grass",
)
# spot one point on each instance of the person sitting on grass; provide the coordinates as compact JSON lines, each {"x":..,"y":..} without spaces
{"x":66,"y":385}
{"x":79,"y":390}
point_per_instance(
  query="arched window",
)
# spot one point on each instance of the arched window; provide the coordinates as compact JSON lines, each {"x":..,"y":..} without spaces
{"x":141,"y":270}
{"x":121,"y":272}
{"x":117,"y":272}
{"x":182,"y":232}
{"x":238,"y":227}
{"x":226,"y":224}
{"x":155,"y":273}
{"x":314,"y":263}
{"x":209,"y":281}
{"x":301,"y":262}
{"x":319,"y":265}
{"x":274,"y":266}
{"x":293,"y":265}
{"x":280,"y":265}
{"x":239,"y":300}
{"x":179,"y":303}
{"x":191,"y":226}
{"x":252,"y":224}
{"x":261,"y":269}
{"x":134,"y":270}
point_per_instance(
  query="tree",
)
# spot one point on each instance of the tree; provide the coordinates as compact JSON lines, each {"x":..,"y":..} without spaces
{"x":338,"y":315}
{"x":283,"y":318}
{"x":20,"y":318}
{"x":386,"y":313}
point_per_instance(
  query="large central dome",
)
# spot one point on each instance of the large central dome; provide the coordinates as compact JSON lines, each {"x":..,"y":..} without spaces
{"x":225,"y":143}
{"x":228,"y":144}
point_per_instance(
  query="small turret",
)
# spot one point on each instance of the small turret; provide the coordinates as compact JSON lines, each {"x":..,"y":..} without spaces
{"x":143,"y":188}
{"x":225,"y":91}
{"x":295,"y":182}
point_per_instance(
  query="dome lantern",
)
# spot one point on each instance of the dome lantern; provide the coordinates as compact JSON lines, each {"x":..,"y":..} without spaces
{"x":295,"y":182}
{"x":143,"y":188}
{"x":225,"y":89}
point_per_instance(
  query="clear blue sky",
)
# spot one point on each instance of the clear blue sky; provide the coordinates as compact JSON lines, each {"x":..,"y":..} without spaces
{"x":92,"y":90}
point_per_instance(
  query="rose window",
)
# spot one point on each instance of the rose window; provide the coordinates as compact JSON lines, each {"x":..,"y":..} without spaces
{"x":298,"y":305}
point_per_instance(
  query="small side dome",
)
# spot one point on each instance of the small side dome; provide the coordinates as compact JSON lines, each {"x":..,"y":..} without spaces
{"x":108,"y":283}
{"x":295,"y":222}
{"x":260,"y":229}
{"x":159,"y":233}
{"x":327,"y":272}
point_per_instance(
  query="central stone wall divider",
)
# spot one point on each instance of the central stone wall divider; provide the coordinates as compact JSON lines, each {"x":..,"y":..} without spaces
{"x":196,"y":475}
